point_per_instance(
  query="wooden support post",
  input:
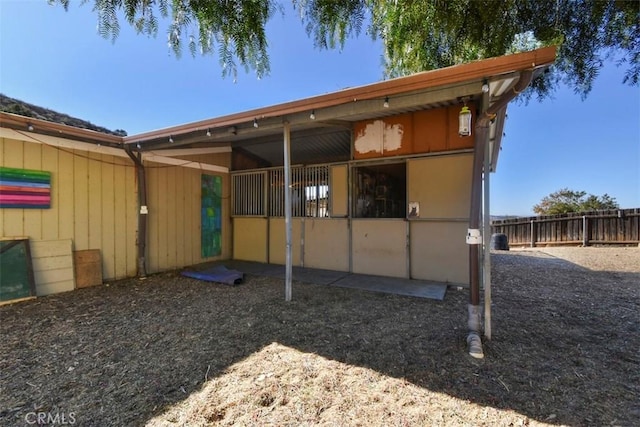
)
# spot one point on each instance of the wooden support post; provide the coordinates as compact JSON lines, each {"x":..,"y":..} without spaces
{"x":585,"y":230}
{"x":533,"y":234}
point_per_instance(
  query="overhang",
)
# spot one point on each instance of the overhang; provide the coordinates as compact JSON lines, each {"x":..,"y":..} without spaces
{"x":321,"y":125}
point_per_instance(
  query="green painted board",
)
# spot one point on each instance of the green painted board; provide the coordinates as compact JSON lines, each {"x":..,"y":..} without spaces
{"x":211,"y":219}
{"x":16,"y":270}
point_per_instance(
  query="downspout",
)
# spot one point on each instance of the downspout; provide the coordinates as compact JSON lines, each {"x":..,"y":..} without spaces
{"x":481,"y":135}
{"x":142,"y":210}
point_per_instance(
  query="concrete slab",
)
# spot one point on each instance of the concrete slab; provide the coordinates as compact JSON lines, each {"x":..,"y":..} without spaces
{"x":393,"y":285}
{"x":390,"y":285}
{"x":317,"y":276}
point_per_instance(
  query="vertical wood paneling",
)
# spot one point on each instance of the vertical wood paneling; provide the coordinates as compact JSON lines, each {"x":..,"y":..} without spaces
{"x":188,"y":229}
{"x":181,"y":207}
{"x":163,"y":221}
{"x":108,"y":220}
{"x":131,"y":218}
{"x":95,"y":203}
{"x":33,"y":217}
{"x":66,"y":196}
{"x":153,"y":224}
{"x":171,"y":208}
{"x":50,"y":217}
{"x":81,"y":201}
{"x":120,"y":218}
{"x":13,"y":158}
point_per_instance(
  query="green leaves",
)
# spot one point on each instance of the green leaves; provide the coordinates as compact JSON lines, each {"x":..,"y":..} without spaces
{"x":565,"y":201}
{"x":418,"y":35}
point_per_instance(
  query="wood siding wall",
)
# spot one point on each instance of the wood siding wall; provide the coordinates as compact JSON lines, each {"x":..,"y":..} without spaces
{"x":93,"y":202}
{"x":174,"y":219}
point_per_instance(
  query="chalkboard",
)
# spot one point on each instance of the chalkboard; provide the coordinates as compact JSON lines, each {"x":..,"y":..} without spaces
{"x":16,"y":270}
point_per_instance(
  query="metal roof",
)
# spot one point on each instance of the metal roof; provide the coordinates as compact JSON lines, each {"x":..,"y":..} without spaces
{"x":327,"y":135}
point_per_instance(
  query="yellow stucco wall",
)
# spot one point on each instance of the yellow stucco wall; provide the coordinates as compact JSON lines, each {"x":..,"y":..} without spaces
{"x":326,"y":243}
{"x":439,"y":251}
{"x":93,"y":202}
{"x":339,"y":191}
{"x":277,"y":241}
{"x":442,"y":186}
{"x":250,"y":239}
{"x":379,"y":247}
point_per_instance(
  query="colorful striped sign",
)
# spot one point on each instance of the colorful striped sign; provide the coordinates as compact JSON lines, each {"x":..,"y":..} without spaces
{"x":23,"y":188}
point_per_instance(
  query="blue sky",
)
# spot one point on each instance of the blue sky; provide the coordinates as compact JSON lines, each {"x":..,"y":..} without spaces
{"x":56,"y":59}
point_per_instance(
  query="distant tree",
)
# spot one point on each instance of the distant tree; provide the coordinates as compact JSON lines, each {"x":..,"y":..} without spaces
{"x":565,"y":201}
{"x":417,"y":35}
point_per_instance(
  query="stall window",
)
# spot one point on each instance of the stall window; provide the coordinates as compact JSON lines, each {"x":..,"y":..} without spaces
{"x":309,"y":191}
{"x":248,"y":194}
{"x":380,"y":191}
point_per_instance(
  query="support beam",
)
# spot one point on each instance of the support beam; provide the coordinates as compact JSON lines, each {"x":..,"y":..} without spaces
{"x":287,"y":210}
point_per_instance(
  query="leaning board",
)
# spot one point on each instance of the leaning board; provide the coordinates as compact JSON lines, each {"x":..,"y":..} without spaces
{"x":53,"y":266}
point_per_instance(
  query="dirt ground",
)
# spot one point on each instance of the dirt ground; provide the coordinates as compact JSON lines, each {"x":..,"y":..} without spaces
{"x":172,"y":351}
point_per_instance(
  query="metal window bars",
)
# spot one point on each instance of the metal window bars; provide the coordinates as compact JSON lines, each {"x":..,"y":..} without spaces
{"x":309,"y":192}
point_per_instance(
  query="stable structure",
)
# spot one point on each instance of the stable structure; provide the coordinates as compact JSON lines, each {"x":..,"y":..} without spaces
{"x":383,"y":179}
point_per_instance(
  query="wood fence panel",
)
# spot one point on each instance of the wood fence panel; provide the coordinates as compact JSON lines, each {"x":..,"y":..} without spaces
{"x":618,"y":226}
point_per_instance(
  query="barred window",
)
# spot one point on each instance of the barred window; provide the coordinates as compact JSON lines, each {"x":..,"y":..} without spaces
{"x":309,"y":191}
{"x":249,"y":194}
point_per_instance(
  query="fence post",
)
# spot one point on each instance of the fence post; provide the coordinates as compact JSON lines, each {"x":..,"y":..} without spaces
{"x":533,"y":236}
{"x":585,"y":232}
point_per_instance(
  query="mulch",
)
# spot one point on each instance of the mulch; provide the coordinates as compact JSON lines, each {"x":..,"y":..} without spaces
{"x":170,"y":350}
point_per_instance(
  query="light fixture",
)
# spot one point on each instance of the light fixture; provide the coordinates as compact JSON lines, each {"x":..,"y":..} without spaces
{"x":233,"y":130}
{"x":485,"y":86}
{"x":464,"y":121}
{"x":139,"y":146}
{"x":30,"y":127}
{"x":208,"y":132}
{"x":255,"y":123}
{"x":312,"y":116}
{"x":386,"y":102}
{"x":170,"y":140}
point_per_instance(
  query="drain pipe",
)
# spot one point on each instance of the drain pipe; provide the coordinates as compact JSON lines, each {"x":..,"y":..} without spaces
{"x":474,"y":342}
{"x":142,"y":211}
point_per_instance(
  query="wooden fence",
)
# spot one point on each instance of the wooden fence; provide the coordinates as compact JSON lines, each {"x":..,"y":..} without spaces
{"x":619,"y":226}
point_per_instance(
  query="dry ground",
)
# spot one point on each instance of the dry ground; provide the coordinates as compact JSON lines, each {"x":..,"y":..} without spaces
{"x":171,"y":351}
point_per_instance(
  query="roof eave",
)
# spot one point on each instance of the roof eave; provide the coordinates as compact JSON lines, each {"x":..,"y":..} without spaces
{"x":486,"y":68}
{"x":30,"y":124}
